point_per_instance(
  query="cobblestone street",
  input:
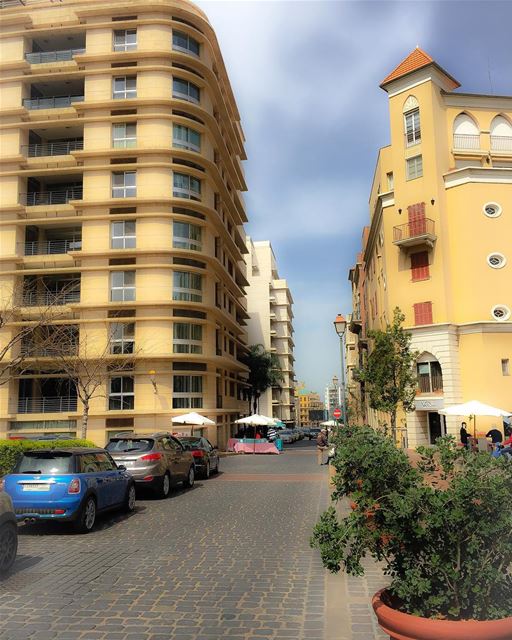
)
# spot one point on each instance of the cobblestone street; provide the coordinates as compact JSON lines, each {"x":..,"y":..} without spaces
{"x":228,"y":559}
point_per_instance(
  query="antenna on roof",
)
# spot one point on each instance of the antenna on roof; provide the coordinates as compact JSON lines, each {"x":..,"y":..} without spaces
{"x":489,"y":74}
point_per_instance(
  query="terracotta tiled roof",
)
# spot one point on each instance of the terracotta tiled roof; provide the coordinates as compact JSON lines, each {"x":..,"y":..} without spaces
{"x":415,"y":60}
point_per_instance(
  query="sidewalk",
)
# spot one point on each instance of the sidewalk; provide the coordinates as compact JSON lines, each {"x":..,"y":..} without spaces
{"x":349,"y":613}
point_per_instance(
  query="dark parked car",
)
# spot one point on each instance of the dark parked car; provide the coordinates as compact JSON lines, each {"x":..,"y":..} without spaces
{"x":313,"y":433}
{"x":8,"y":533}
{"x":206,"y":456}
{"x":157,"y":461}
{"x":68,"y":484}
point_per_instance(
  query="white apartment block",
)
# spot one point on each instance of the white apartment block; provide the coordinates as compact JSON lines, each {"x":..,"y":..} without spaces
{"x":269,"y":305}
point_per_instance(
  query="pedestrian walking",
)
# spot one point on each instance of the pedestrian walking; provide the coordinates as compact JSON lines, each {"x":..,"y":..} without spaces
{"x":321,"y":446}
{"x":271,"y":434}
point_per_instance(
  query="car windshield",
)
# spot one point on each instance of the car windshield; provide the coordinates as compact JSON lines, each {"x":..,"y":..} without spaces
{"x":190,"y":443}
{"x":45,"y":462}
{"x":125,"y":445}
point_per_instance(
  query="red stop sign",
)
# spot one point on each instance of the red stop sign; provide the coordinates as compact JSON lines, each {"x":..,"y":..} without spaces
{"x":337,"y":413}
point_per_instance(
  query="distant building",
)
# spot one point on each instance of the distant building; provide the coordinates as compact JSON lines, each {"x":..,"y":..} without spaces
{"x":333,"y":396}
{"x":311,"y":407}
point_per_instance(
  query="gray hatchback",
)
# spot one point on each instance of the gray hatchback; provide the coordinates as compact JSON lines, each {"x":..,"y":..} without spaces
{"x":155,"y":460}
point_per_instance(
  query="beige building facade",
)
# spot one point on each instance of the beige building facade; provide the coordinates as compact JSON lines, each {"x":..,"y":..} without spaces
{"x":270,"y":323}
{"x":120,"y":186}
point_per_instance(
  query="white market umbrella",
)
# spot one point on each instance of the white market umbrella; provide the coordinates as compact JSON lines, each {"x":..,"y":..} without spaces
{"x":256,"y":420}
{"x":474,"y":408}
{"x":329,"y":423}
{"x":192,"y":418}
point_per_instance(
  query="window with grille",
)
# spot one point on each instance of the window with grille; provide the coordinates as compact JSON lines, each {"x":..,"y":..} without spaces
{"x":183,"y":42}
{"x":124,"y":135}
{"x":187,"y":392}
{"x":121,"y":393}
{"x":185,"y":186}
{"x":185,"y":90}
{"x":187,"y":338}
{"x":123,"y":234}
{"x":414,"y":167}
{"x":122,"y":286}
{"x":412,"y":127}
{"x":124,"y":87}
{"x":122,"y":337}
{"x":186,"y":236}
{"x":420,"y":266}
{"x":125,"y":39}
{"x":187,"y":286}
{"x":124,"y":184}
{"x":423,"y":313}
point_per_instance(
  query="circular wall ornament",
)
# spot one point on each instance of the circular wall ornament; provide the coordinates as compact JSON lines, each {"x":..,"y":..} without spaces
{"x":496,"y":260}
{"x":500,"y":312}
{"x":492,"y":209}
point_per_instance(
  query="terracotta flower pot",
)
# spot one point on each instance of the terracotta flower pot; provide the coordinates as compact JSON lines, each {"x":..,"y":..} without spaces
{"x":403,"y":626}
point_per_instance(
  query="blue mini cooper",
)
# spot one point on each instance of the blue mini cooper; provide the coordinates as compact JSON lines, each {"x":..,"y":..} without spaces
{"x":72,"y":484}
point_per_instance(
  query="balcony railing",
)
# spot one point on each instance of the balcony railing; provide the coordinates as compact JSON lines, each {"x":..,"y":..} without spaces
{"x":43,"y":149}
{"x":51,"y":247}
{"x":415,"y":232}
{"x":40,"y":57}
{"x":501,"y":143}
{"x":46,"y":298}
{"x":466,"y":141}
{"x":55,"y":102}
{"x":48,"y":404}
{"x":59,"y":196}
{"x":5,"y":4}
{"x":33,"y":351}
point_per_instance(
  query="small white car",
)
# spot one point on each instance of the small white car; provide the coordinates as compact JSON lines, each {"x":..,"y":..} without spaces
{"x":8,"y":533}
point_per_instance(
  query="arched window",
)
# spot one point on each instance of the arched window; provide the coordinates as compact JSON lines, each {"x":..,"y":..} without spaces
{"x":466,"y":134}
{"x":412,"y":127}
{"x":430,"y":375}
{"x":501,"y":134}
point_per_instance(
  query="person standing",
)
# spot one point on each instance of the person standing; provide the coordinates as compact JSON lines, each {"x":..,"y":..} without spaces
{"x":464,"y":435}
{"x":321,"y":446}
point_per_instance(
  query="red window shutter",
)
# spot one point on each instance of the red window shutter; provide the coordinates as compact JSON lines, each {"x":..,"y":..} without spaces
{"x":423,"y":313}
{"x":417,"y":219}
{"x":419,"y":266}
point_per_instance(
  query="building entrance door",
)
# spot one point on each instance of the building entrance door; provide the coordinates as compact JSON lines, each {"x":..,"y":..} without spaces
{"x":434,"y":426}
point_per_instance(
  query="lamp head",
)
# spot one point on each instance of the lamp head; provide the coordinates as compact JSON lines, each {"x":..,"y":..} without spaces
{"x":340,"y":324}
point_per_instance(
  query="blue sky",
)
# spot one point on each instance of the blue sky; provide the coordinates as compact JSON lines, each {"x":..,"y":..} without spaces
{"x":306,"y":77}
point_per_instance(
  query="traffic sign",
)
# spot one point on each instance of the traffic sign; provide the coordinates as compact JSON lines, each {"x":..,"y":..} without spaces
{"x":337,"y":413}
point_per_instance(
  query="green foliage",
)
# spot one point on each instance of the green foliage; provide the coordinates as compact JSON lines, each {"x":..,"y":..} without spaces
{"x":10,"y":450}
{"x":388,"y":373}
{"x":442,"y":530}
{"x":264,"y":372}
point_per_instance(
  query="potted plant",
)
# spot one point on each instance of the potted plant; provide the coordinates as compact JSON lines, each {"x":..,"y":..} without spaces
{"x":442,"y":529}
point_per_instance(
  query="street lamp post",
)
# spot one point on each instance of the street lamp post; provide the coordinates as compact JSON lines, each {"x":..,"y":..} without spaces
{"x":340,"y":325}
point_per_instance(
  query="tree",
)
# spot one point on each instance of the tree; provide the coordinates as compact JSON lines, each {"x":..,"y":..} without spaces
{"x":264,"y":373}
{"x":388,"y":373}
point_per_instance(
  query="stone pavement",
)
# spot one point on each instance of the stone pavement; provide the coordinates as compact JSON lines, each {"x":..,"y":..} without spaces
{"x":229,"y":559}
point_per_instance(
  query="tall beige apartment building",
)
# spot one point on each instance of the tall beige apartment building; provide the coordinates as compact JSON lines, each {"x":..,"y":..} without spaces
{"x":121,"y":204}
{"x":269,"y":304}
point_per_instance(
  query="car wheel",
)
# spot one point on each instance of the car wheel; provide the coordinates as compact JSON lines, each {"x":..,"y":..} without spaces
{"x":165,"y":487}
{"x":129,"y":501}
{"x":191,"y":476}
{"x":87,"y":517}
{"x":206,"y":472}
{"x":8,"y":545}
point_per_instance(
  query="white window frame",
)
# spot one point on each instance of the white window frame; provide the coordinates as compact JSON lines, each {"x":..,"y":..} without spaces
{"x":191,"y":397}
{"x":185,"y":241}
{"x":124,"y":190}
{"x":181,"y":95}
{"x":122,"y":338}
{"x":125,"y":141}
{"x":120,"y":238}
{"x":185,"y":49}
{"x":188,"y":292}
{"x":124,"y":45}
{"x":413,"y":175}
{"x":122,"y":394}
{"x":181,"y":143}
{"x":186,"y":192}
{"x":187,"y":337}
{"x":412,"y":127}
{"x":126,"y":291}
{"x":125,"y":93}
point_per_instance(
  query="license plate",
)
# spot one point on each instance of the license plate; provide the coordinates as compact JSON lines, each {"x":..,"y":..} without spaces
{"x":36,"y":487}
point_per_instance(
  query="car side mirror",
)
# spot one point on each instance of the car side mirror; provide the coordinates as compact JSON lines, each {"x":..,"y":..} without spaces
{"x":121,"y":467}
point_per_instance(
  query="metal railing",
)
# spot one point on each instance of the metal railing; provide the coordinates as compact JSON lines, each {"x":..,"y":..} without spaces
{"x":5,"y":4}
{"x":40,"y":57}
{"x":47,"y":298}
{"x":501,"y":143}
{"x":41,"y":149}
{"x":421,"y":227}
{"x":49,"y":247}
{"x":54,"y":102}
{"x":466,"y":141}
{"x":33,"y":351}
{"x":59,"y":196}
{"x":46,"y":404}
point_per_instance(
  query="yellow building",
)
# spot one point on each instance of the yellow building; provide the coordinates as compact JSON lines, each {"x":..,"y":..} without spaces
{"x":120,"y":198}
{"x":439,"y":243}
{"x":311,"y":407}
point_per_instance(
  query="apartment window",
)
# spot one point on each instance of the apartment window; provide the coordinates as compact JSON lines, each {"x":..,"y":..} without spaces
{"x":187,"y":286}
{"x":186,"y":236}
{"x":124,"y":135}
{"x":423,"y":313}
{"x":185,"y":186}
{"x":187,"y":392}
{"x":430,"y":377}
{"x":122,"y":337}
{"x":186,"y":138}
{"x":122,"y":286}
{"x":505,"y":366}
{"x":122,"y":234}
{"x":124,"y":87}
{"x":187,"y":338}
{"x":183,"y":42}
{"x":121,"y":393}
{"x":419,"y":266}
{"x":390,"y":181}
{"x":125,"y":39}
{"x":412,"y":127}
{"x":414,"y":167}
{"x":185,"y":90}
{"x":124,"y":184}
